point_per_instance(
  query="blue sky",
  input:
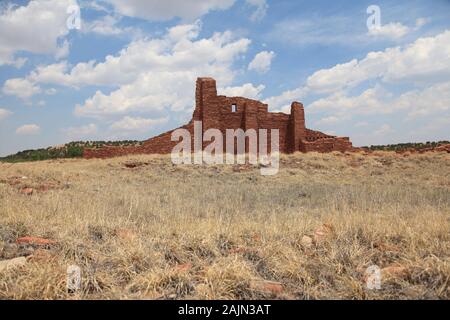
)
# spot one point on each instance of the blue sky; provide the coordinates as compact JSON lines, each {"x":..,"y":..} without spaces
{"x":129,"y":71}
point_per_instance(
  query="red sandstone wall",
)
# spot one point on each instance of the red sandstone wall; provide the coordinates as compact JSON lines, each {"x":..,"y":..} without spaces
{"x":216,"y":112}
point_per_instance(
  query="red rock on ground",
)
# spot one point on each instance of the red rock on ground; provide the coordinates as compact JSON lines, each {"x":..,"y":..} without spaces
{"x":323,"y":232}
{"x":183,"y":267}
{"x":395,"y":270}
{"x":266,"y":286}
{"x":27,"y":191}
{"x":34,"y":240}
{"x":306,"y":242}
{"x":125,"y":234}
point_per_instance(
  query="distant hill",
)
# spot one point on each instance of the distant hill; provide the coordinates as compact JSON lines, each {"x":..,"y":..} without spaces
{"x":416,"y":146}
{"x":73,"y":149}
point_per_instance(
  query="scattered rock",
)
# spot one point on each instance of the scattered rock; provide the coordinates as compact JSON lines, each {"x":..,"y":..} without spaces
{"x":27,"y":191}
{"x":323,"y":232}
{"x":242,"y":167}
{"x":134,"y":164}
{"x":256,"y":237}
{"x":12,"y":263}
{"x":183,"y":267}
{"x":306,"y":242}
{"x":268,"y":287}
{"x":35,"y":241}
{"x":125,"y":234}
{"x":395,"y":270}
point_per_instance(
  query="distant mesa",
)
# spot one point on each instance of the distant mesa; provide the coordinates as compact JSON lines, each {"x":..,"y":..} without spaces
{"x":221,"y":112}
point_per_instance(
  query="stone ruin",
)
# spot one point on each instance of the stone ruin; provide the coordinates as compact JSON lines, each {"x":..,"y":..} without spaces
{"x":221,"y":112}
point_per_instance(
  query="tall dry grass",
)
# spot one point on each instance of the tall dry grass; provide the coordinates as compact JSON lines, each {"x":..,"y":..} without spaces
{"x":213,"y":232}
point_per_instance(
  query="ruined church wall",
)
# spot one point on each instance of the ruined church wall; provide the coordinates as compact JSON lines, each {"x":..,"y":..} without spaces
{"x":216,"y":111}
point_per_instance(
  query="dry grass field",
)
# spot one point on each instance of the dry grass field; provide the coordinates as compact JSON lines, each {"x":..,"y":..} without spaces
{"x":142,"y":228}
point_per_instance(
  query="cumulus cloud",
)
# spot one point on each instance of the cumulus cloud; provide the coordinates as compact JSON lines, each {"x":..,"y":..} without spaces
{"x":137,"y":124}
{"x":384,"y":130}
{"x":424,"y":62}
{"x":22,"y":88}
{"x":28,"y":129}
{"x":149,"y":74}
{"x":369,"y":101}
{"x":246,"y":90}
{"x":262,"y":61}
{"x":426,"y":59}
{"x":108,"y":25}
{"x":261,"y":7}
{"x":329,"y":120}
{"x":393,"y":30}
{"x":4,"y":113}
{"x":35,"y":27}
{"x":378,"y":100}
{"x":282,"y":101}
{"x":81,"y":132}
{"x":50,"y":91}
{"x":168,"y":9}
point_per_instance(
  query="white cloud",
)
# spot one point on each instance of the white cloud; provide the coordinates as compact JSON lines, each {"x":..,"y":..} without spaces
{"x":93,"y":5}
{"x":150,"y":74}
{"x":63,"y":50}
{"x":361,"y":124}
{"x":377,"y":100}
{"x":22,"y":88}
{"x":168,"y":9}
{"x":260,"y":11}
{"x":50,"y":91}
{"x":247,"y":90}
{"x":420,"y":22}
{"x":81,"y":132}
{"x":35,"y":27}
{"x":137,"y":124}
{"x":283,"y":101}
{"x":4,"y":113}
{"x":262,"y":61}
{"x":104,"y":26}
{"x":328,"y":80}
{"x":316,"y":29}
{"x":370,"y":101}
{"x":393,"y":30}
{"x":17,"y":62}
{"x":328,"y":120}
{"x":384,"y":130}
{"x":155,"y":74}
{"x":108,"y":26}
{"x":338,"y":30}
{"x":422,"y":63}
{"x":28,"y":129}
{"x":426,"y":59}
{"x":432,"y":100}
